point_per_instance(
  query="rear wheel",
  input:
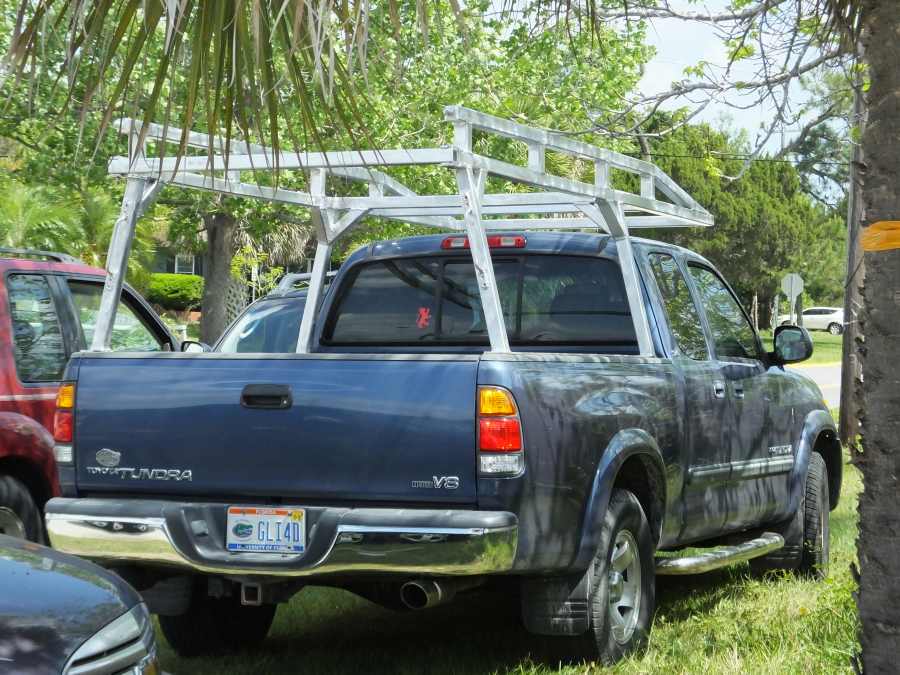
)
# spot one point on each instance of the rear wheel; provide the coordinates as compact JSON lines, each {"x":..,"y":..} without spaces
{"x":806,"y":535}
{"x":835,"y":328}
{"x":19,"y":515}
{"x":623,"y":584}
{"x":215,"y":625}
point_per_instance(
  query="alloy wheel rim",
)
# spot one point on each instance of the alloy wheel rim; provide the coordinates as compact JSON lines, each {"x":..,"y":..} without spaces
{"x":11,"y":524}
{"x":624,"y":587}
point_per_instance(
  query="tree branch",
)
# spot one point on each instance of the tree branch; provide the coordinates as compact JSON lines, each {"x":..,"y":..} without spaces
{"x":664,"y":11}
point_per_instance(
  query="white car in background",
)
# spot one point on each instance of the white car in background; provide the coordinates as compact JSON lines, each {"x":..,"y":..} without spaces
{"x":820,"y":318}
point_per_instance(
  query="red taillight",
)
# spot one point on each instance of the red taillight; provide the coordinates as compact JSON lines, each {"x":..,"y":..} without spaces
{"x":493,"y":240}
{"x":63,"y":421}
{"x":499,"y":434}
{"x":63,"y":418}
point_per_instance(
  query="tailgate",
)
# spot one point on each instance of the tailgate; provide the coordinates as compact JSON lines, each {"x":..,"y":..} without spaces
{"x":378,"y":428}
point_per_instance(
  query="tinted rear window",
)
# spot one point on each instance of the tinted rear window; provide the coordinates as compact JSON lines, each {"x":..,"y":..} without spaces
{"x":546,"y":300}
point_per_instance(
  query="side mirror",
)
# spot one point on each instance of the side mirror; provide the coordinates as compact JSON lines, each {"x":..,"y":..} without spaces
{"x":194,"y":347}
{"x":792,"y":345}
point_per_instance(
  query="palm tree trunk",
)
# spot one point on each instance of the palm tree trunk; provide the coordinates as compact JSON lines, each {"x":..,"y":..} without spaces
{"x":879,"y":505}
{"x":218,"y":281}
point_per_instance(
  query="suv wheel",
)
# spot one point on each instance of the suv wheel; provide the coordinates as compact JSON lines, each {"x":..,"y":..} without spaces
{"x":806,"y":535}
{"x":19,"y":515}
{"x":835,"y":328}
{"x":216,"y":625}
{"x":623,"y":583}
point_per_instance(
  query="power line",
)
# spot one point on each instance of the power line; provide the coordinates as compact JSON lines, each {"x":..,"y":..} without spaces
{"x":731,"y":156}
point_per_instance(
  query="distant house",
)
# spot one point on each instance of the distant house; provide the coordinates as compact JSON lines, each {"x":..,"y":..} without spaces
{"x":172,"y":261}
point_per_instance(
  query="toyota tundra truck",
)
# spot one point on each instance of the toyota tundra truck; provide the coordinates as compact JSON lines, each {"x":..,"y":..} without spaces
{"x":404,"y":460}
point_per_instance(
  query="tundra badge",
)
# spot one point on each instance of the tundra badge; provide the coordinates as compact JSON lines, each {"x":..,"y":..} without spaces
{"x":109,"y":466}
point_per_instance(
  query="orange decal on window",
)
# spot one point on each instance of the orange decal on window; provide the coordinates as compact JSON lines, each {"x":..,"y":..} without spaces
{"x":424,"y":317}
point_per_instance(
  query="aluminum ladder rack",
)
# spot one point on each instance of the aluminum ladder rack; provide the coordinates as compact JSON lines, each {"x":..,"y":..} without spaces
{"x":553,"y":202}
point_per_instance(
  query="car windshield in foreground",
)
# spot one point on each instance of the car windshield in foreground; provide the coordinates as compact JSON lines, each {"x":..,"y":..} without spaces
{"x":270,"y":326}
{"x":546,"y":300}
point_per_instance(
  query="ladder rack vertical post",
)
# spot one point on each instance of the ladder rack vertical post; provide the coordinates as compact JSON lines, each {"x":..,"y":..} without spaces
{"x":320,"y":218}
{"x":471,"y":187}
{"x":613,"y":216}
{"x":601,"y":174}
{"x":462,"y":136}
{"x":313,"y":293}
{"x":537,"y":157}
{"x":117,"y":263}
{"x":139,"y":194}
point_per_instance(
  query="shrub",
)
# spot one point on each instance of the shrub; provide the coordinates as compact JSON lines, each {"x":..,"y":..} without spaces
{"x":175,"y":291}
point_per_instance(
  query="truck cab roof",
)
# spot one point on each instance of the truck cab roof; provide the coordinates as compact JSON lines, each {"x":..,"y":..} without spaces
{"x":551,"y":242}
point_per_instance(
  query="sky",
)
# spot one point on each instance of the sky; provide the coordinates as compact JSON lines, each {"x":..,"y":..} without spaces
{"x":685,"y":43}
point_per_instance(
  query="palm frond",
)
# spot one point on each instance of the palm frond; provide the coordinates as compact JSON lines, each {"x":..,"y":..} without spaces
{"x":264,"y":68}
{"x":283,"y":245}
{"x":34,"y":217}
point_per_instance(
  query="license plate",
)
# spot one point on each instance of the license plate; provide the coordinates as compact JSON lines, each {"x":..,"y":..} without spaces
{"x":266,"y":530}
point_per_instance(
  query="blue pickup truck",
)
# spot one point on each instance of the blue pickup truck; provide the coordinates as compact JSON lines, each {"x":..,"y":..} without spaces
{"x":405,"y":461}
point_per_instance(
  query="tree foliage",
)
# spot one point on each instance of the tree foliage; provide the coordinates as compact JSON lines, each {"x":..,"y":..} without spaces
{"x":543,"y":77}
{"x":766,"y":225}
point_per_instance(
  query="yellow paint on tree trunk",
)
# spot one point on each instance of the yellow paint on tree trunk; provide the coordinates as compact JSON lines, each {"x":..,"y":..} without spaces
{"x":881,"y":236}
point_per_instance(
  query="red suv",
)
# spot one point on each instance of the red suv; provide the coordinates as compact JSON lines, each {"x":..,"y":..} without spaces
{"x":48,"y":303}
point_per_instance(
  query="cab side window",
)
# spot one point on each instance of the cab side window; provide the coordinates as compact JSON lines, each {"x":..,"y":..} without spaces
{"x":40,"y":351}
{"x":684,"y":319}
{"x":732,"y":333}
{"x":129,"y":333}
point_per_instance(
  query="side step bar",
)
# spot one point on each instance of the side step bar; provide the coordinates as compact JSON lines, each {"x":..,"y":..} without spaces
{"x":721,"y":556}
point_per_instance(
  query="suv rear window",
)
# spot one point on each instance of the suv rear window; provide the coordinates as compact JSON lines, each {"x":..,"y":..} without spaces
{"x":546,"y":300}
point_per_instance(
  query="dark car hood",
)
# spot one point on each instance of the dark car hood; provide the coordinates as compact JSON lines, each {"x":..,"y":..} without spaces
{"x":50,"y":603}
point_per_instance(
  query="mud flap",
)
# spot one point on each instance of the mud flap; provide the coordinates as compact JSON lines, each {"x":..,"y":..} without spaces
{"x":557,"y":605}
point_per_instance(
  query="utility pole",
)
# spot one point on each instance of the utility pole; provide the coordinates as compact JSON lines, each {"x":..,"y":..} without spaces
{"x":850,"y":369}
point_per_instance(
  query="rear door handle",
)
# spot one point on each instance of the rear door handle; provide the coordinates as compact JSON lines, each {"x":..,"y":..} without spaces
{"x":719,"y":389}
{"x":739,"y":391}
{"x":267,"y":396}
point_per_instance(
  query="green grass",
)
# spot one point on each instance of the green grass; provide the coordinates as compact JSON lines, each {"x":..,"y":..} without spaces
{"x":722,"y":622}
{"x":826,"y":347}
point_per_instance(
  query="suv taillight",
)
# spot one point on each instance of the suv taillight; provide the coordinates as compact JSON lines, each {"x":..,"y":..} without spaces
{"x":64,"y":423}
{"x":499,"y":433}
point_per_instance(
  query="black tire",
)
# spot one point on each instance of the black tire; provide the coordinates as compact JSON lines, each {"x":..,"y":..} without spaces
{"x":19,"y":515}
{"x":806,"y":535}
{"x":606,"y":640}
{"x":216,"y":625}
{"x":835,"y":328}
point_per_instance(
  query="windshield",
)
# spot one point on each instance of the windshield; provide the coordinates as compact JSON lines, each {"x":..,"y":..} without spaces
{"x":546,"y":300}
{"x":269,"y":326}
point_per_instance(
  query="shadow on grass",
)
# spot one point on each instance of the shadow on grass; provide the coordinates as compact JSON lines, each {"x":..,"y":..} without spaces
{"x":331,"y":631}
{"x":679,"y":597}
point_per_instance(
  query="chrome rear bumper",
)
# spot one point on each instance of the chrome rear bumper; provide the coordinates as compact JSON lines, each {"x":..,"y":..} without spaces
{"x":340,"y":540}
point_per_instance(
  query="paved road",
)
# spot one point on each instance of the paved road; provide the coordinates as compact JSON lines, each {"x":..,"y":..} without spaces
{"x":828,"y":377}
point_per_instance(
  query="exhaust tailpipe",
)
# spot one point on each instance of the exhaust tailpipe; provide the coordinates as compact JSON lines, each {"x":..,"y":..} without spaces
{"x":422,"y":593}
{"x":425,"y":593}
